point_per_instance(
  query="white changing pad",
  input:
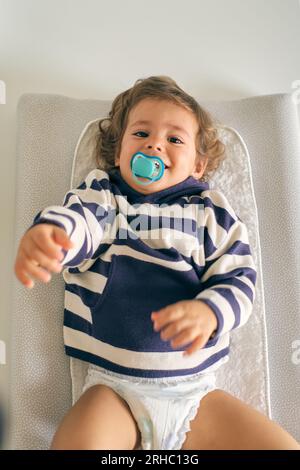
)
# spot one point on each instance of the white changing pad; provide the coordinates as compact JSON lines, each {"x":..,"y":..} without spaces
{"x":246,"y":374}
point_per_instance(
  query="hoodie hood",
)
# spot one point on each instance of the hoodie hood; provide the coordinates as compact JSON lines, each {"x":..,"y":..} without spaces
{"x":187,"y":187}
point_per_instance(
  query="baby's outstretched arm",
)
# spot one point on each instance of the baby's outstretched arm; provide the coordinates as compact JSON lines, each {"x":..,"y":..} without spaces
{"x":81,"y":218}
{"x":39,"y":253}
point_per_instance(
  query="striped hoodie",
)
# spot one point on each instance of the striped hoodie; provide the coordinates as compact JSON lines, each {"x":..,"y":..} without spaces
{"x":134,"y":254}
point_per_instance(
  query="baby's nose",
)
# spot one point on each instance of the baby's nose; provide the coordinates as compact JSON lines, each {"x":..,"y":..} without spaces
{"x":150,"y":147}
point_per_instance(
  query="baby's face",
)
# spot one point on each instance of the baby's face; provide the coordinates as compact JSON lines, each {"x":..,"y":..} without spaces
{"x":170,"y":133}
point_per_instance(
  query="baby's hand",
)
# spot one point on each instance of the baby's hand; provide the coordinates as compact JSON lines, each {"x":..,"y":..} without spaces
{"x":187,"y":321}
{"x":40,"y":247}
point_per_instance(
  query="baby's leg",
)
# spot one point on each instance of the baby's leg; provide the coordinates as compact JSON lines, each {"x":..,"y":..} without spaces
{"x":100,"y":419}
{"x":224,"y":422}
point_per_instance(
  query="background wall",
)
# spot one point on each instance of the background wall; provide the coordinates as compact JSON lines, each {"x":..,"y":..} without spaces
{"x":215,"y":50}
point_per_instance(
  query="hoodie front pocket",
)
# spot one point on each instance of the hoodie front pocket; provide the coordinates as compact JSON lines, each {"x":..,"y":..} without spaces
{"x":122,"y":318}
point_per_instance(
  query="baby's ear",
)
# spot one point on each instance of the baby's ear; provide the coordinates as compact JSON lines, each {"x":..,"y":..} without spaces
{"x":200,"y":166}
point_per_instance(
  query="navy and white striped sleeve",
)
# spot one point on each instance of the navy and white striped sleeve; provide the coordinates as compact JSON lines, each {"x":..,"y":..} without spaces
{"x":83,"y":216}
{"x":228,"y":281}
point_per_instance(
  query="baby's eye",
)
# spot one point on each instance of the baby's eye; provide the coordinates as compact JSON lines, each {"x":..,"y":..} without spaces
{"x":178,"y":140}
{"x":140,"y":132}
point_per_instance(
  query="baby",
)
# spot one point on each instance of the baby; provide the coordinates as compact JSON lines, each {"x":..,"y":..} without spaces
{"x":158,"y":271}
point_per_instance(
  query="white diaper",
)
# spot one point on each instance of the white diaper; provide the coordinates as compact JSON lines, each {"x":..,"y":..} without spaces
{"x":162,"y":408}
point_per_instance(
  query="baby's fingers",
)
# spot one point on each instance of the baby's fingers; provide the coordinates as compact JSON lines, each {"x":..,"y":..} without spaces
{"x":167,"y":315}
{"x":45,"y":241}
{"x":199,"y":343}
{"x":23,"y":276}
{"x":183,"y":338}
{"x":61,"y":237}
{"x":174,"y":328}
{"x":27,"y":268}
{"x":39,"y":257}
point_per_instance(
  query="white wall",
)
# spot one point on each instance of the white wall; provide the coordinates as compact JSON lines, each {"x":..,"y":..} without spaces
{"x":215,"y":49}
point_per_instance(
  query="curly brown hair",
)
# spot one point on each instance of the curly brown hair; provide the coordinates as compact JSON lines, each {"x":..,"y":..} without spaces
{"x":112,"y":128}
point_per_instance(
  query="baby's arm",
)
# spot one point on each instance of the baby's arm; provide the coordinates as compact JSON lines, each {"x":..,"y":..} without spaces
{"x":70,"y":233}
{"x":229,"y":278}
{"x":83,"y":217}
{"x":227,"y":284}
{"x":227,"y":287}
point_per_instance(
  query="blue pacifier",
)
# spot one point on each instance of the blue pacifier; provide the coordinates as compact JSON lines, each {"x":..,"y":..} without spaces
{"x":145,"y":166}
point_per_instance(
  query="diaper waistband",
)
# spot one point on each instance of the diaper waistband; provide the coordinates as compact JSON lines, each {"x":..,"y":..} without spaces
{"x":189,"y":388}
